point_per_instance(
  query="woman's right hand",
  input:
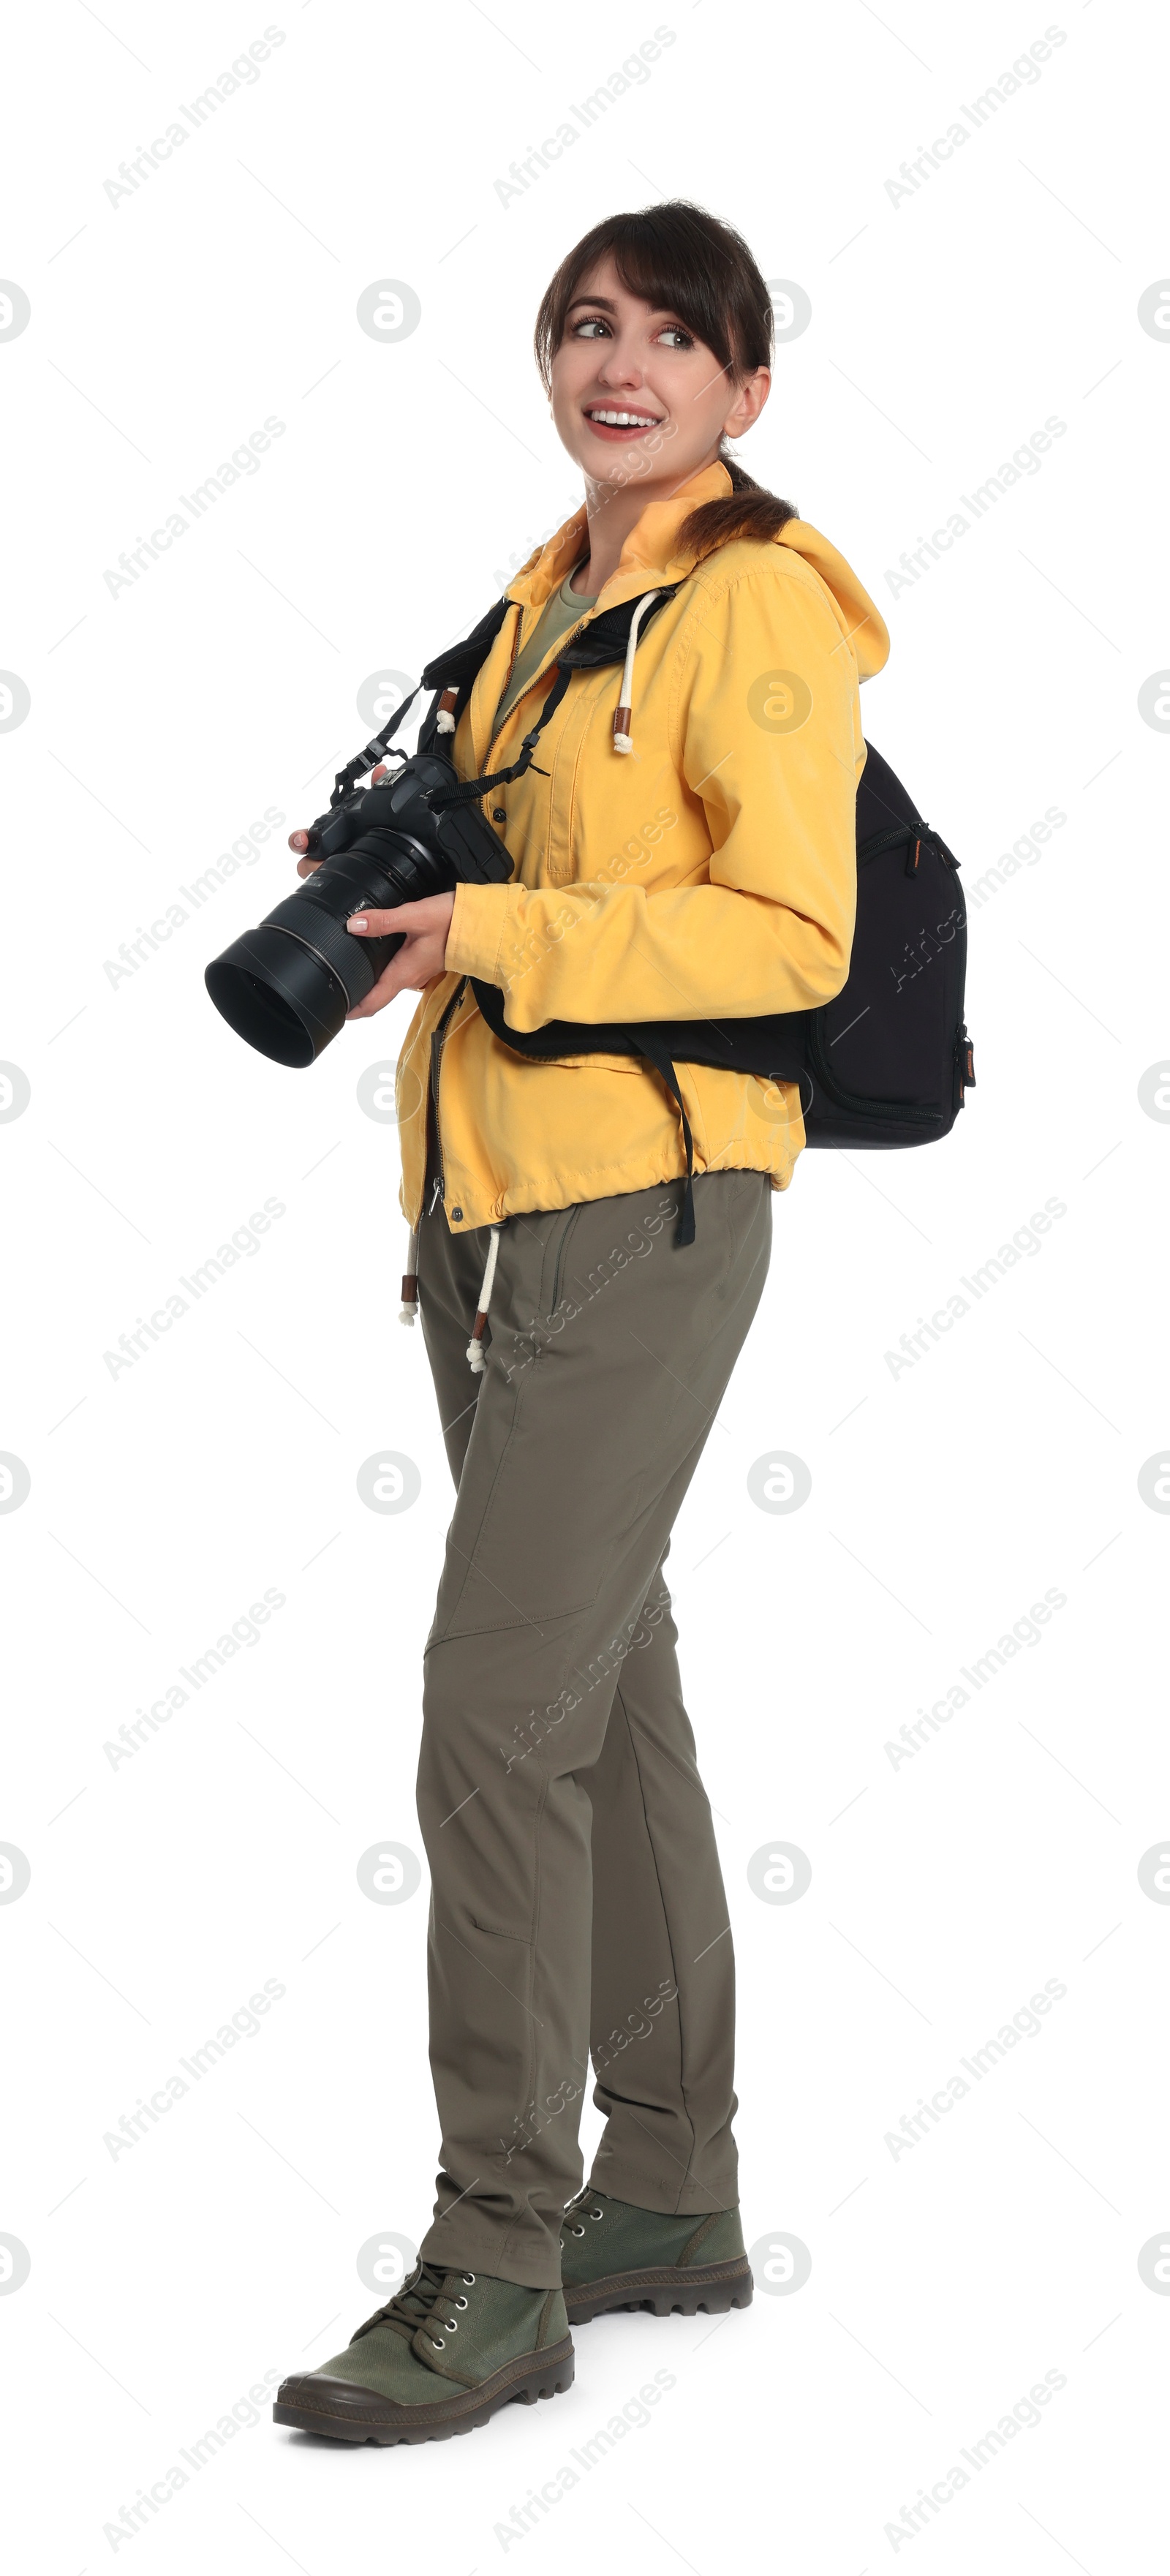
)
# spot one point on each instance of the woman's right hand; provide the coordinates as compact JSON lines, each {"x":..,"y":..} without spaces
{"x":299,"y":840}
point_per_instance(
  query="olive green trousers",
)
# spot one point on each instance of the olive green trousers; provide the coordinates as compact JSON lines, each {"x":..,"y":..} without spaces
{"x":577,"y":1903}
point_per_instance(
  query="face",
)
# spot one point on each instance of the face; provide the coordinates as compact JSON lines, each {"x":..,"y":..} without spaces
{"x":635,"y":393}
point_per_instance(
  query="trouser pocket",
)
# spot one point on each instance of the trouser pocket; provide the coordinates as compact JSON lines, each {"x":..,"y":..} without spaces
{"x":562,"y":1245}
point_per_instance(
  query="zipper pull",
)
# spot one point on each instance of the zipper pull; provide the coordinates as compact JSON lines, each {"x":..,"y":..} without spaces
{"x":436,"y":1193}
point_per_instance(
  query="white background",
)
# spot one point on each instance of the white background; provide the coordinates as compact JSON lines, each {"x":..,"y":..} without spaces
{"x":945,"y":1891}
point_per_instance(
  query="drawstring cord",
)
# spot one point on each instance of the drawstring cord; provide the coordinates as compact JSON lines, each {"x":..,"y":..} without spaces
{"x":624,"y":711}
{"x":409,"y":1307}
{"x":475,"y":1359}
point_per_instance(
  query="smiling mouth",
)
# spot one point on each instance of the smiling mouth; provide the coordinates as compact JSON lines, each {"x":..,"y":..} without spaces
{"x":606,"y":418}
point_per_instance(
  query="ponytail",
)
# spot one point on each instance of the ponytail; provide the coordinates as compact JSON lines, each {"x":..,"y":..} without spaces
{"x":746,"y":511}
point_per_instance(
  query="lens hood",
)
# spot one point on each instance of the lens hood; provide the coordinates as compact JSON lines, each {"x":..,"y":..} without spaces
{"x":279,"y":994}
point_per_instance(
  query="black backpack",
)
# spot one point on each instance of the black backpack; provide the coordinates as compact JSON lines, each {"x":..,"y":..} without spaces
{"x":888,"y":1061}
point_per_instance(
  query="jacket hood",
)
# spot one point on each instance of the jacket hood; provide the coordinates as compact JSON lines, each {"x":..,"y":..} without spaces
{"x":867,"y":629}
{"x":650,"y":553}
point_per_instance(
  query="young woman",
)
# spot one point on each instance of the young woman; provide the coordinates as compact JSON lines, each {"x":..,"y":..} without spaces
{"x":706,"y":873}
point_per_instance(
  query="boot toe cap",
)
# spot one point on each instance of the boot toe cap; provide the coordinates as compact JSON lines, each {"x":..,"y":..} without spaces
{"x":336,"y":2401}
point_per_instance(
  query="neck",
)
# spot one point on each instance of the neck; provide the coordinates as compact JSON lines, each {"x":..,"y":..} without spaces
{"x":613,"y":511}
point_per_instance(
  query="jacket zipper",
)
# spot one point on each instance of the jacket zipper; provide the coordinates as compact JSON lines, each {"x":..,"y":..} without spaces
{"x":439,"y":1190}
{"x":573,"y":637}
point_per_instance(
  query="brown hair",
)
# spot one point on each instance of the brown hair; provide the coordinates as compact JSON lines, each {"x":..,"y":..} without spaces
{"x":682,"y":260}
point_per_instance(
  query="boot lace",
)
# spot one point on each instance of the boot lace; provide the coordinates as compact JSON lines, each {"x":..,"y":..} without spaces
{"x":584,"y":2205}
{"x":420,"y":2302}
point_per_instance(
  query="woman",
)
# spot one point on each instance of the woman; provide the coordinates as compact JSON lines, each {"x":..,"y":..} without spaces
{"x":709,"y":872}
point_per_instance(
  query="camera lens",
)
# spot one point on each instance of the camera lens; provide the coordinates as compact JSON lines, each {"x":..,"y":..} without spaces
{"x":287,"y":986}
{"x":277,"y":994}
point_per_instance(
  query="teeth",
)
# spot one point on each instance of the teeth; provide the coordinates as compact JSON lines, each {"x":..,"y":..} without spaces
{"x":624,"y":419}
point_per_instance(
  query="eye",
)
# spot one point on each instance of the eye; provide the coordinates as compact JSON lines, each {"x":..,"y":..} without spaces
{"x":588,"y":326}
{"x":679,"y":337}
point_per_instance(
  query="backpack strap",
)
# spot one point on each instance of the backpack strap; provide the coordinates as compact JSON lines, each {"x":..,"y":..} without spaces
{"x":458,"y":667}
{"x":607,"y":640}
{"x":609,"y":1037}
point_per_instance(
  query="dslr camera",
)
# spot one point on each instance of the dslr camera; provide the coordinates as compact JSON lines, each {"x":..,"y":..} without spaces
{"x":287,"y":986}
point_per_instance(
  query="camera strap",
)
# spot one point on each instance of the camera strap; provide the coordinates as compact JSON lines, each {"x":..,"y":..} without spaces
{"x":470,"y":788}
{"x":368,"y":758}
{"x":600,"y":641}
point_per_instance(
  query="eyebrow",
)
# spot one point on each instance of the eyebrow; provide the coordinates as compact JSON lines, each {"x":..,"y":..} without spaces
{"x":602,"y":304}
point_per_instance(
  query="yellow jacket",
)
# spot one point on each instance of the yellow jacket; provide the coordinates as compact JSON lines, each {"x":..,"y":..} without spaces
{"x":708,"y":872}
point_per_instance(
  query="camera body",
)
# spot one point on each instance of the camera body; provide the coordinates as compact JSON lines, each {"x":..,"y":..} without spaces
{"x":287,"y":986}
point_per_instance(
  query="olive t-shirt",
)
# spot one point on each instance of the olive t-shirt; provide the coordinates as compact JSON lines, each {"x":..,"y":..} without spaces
{"x":560,"y":612}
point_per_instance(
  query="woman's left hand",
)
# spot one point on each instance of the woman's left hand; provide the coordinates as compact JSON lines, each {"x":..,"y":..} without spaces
{"x":422,"y":955}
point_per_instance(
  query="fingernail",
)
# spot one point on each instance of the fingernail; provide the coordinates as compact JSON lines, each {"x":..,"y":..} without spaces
{"x":358,"y":922}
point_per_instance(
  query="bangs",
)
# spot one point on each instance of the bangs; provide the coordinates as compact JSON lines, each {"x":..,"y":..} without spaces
{"x":676,"y":259}
{"x":663,"y":268}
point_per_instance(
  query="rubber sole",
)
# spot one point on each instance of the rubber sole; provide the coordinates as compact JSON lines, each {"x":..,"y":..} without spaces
{"x":533,"y":2375}
{"x":706,"y":2289}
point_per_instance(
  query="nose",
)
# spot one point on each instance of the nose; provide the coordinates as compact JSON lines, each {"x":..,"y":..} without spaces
{"x":620,"y":368}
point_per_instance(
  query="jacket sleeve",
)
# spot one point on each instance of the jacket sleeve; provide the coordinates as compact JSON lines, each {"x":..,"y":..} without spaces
{"x":766,"y":736}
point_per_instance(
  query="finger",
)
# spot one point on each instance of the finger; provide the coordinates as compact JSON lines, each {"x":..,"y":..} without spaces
{"x":308,"y":867}
{"x":375,"y":925}
{"x":298,"y":840}
{"x":388,"y":988}
{"x":409,"y":920}
{"x":412,"y":919}
{"x":404,"y":974}
{"x":375,"y":1001}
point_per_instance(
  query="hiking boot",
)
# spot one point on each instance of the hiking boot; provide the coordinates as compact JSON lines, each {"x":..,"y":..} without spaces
{"x":616,"y":2256}
{"x":448,"y":2350}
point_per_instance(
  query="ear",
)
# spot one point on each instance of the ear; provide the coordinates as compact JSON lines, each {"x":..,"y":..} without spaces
{"x":750,"y":397}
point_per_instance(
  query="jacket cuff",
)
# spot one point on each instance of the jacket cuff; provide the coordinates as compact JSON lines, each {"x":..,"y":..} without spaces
{"x":476,"y":932}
